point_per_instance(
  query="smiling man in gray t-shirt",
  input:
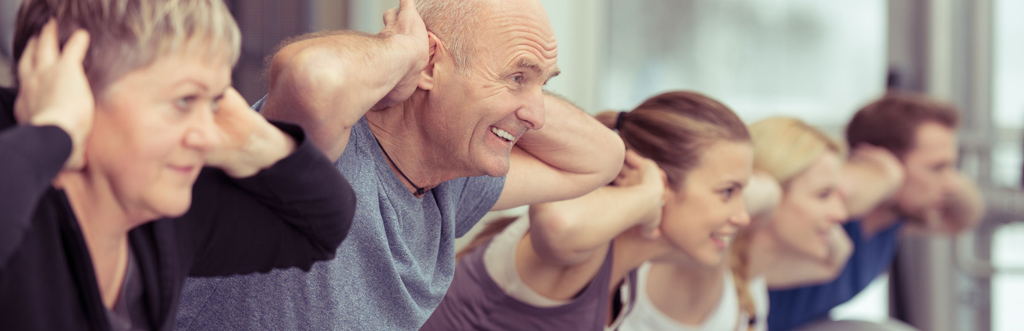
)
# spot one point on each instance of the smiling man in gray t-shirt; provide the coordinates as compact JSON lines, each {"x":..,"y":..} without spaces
{"x":460,"y":125}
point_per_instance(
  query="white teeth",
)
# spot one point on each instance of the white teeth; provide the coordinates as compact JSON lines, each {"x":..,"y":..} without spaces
{"x":724,"y":239}
{"x":503,"y":134}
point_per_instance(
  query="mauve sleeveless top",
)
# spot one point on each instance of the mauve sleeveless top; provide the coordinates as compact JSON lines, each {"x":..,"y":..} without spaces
{"x":475,"y":302}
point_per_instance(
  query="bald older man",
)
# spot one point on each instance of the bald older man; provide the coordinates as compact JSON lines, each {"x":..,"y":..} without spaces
{"x":434,"y":121}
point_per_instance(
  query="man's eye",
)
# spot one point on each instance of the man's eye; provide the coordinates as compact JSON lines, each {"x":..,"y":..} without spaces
{"x":518,"y":79}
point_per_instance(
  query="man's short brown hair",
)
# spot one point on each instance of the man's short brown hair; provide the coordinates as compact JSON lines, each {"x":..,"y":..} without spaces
{"x":892,"y":121}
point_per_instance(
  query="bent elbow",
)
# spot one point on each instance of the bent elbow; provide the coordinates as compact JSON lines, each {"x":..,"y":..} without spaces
{"x":309,"y":81}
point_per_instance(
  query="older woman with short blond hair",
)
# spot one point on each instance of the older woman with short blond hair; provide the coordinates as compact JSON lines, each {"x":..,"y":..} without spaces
{"x":129,"y":163}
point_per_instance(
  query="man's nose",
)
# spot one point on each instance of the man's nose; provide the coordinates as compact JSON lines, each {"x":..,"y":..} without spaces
{"x":532,"y":112}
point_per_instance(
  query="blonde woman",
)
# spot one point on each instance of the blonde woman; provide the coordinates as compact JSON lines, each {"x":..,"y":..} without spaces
{"x":801,"y":242}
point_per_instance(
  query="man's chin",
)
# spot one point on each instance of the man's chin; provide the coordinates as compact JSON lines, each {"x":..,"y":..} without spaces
{"x":497,"y":169}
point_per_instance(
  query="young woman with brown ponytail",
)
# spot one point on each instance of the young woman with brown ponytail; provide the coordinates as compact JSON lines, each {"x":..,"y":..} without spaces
{"x":569,"y":264}
{"x":801,"y":242}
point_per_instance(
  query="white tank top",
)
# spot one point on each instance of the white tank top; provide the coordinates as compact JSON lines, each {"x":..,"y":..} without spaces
{"x":500,"y":263}
{"x":646,"y":317}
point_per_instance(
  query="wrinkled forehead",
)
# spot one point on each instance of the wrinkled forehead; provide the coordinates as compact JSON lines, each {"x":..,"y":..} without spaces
{"x":518,"y":32}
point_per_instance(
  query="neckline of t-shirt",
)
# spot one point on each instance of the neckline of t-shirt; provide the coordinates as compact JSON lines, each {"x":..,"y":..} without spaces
{"x":382,"y":167}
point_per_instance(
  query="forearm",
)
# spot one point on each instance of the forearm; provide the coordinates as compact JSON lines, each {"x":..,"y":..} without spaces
{"x":575,"y":144}
{"x":566,"y":232}
{"x":797,"y":271}
{"x":32,"y":156}
{"x":865,"y":186}
{"x":292,"y":214}
{"x":327,"y":83}
{"x":964,"y":207}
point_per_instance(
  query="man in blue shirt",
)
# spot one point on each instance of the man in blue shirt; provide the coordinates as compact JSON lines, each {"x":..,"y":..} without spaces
{"x":920,"y":135}
{"x":435,"y":120}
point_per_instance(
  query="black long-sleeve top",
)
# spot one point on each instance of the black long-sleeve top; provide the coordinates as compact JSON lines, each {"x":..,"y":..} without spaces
{"x":292,"y":214}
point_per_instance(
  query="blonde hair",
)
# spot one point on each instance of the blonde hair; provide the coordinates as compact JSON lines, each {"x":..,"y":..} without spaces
{"x":783,"y":147}
{"x":131,"y":34}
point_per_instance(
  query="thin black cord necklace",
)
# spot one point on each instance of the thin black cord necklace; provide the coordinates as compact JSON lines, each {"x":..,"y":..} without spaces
{"x":419,"y":190}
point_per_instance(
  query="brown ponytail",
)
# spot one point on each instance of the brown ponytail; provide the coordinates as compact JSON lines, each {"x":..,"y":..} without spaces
{"x":673,"y":128}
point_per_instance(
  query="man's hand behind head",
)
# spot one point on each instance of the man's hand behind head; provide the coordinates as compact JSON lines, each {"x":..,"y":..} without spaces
{"x":406,"y":33}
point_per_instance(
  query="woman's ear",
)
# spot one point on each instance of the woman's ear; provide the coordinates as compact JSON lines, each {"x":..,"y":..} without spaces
{"x":436,"y":52}
{"x":671,"y":193}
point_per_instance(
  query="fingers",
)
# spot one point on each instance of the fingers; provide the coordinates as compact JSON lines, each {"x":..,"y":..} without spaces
{"x":390,"y":17}
{"x":632,"y":159}
{"x":48,"y":48}
{"x":407,"y":6}
{"x":76,"y":47}
{"x":231,"y":103}
{"x":28,"y":58}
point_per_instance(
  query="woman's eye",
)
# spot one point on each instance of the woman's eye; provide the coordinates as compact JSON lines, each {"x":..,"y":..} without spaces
{"x":727,"y":193}
{"x":184,"y":103}
{"x":215,"y":105}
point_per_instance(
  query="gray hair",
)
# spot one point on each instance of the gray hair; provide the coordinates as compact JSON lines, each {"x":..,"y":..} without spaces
{"x":453,"y":21}
{"x":131,"y":34}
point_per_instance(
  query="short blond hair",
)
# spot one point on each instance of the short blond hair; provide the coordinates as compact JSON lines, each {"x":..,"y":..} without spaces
{"x":131,"y":34}
{"x":784,"y":147}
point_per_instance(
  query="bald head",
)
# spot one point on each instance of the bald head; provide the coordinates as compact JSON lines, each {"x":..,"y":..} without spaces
{"x":457,"y":22}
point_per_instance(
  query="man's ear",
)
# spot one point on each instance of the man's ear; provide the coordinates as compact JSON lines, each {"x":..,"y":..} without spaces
{"x":436,"y":53}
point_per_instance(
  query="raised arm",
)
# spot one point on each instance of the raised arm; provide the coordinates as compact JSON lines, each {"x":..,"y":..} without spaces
{"x":962,"y":209}
{"x":326,"y":82}
{"x":568,"y":239}
{"x":567,"y":232}
{"x":278,"y":202}
{"x":571,"y":155}
{"x":797,"y":272}
{"x":54,"y":108}
{"x":871,"y":175}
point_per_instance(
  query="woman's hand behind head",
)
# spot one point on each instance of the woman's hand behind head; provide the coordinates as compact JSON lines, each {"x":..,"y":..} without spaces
{"x":53,"y":89}
{"x":649,"y":180}
{"x":246,"y":142}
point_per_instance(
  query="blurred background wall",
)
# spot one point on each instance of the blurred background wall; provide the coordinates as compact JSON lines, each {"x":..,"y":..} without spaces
{"x":817,"y":60}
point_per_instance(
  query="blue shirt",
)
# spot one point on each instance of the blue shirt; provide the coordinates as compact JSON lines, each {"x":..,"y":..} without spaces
{"x":871,"y":257}
{"x":389,"y":274}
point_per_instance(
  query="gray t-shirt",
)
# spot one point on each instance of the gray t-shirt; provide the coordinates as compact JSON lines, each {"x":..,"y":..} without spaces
{"x":389,"y":274}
